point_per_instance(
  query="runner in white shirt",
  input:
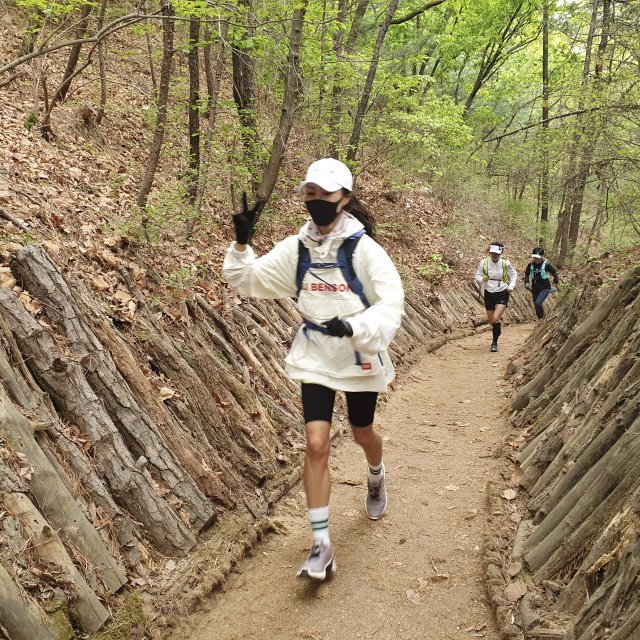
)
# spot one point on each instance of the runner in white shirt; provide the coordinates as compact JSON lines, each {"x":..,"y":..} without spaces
{"x":499,"y":278}
{"x":352,"y":308}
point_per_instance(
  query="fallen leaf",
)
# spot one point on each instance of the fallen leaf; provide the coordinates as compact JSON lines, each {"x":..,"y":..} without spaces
{"x":166,"y":393}
{"x":439,"y":577}
{"x":412,"y":596}
{"x":514,"y":569}
{"x":122,"y":296}
{"x":509,"y":494}
{"x":515,"y":591}
{"x":100,"y":284}
{"x":452,"y":487}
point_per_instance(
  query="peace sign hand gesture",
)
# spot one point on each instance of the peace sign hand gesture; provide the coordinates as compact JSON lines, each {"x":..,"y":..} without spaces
{"x":245,"y":220}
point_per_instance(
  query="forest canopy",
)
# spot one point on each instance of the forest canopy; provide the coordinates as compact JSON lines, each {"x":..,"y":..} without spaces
{"x":536,"y":100}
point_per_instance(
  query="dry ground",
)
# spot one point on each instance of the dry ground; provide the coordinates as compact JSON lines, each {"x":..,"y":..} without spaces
{"x":416,"y":574}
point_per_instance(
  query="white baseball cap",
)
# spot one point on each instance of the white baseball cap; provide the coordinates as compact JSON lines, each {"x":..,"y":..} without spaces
{"x":536,"y":255}
{"x":494,"y":248}
{"x":329,"y":174}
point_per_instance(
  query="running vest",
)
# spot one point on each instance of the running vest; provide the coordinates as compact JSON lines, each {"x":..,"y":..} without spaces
{"x":505,"y":275}
{"x":543,"y":272}
{"x":344,"y":263}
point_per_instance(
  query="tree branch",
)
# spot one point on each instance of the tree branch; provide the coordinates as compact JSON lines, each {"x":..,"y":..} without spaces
{"x":417,"y":12}
{"x":7,"y":215}
{"x":103,"y":33}
{"x":631,"y":107}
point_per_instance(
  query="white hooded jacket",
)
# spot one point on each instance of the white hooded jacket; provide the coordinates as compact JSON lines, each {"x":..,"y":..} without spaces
{"x":359,"y":363}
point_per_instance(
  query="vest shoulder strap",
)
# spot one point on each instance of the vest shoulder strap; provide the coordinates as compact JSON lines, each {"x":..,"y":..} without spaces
{"x":485,"y":268}
{"x":344,"y":263}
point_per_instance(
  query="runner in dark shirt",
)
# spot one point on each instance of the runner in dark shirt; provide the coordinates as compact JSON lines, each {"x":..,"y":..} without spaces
{"x":537,"y":279}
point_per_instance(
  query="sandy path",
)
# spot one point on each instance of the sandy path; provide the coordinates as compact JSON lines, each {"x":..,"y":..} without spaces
{"x":415,"y":574}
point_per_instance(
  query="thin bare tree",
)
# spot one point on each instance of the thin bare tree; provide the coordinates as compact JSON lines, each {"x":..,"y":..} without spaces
{"x":163,"y":98}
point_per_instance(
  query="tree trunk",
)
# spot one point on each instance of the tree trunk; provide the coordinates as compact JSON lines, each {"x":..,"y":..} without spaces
{"x":356,"y":25}
{"x":194,"y":111}
{"x":584,"y":141}
{"x":102,"y":64}
{"x":146,"y":182}
{"x":244,"y":95}
{"x":337,"y":92}
{"x":354,"y":140}
{"x":152,"y":66}
{"x":74,"y":53}
{"x":214,"y":76}
{"x":544,"y":178}
{"x":292,"y":91}
{"x":69,"y":72}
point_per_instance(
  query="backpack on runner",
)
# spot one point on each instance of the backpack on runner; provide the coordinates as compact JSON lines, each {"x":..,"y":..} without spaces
{"x":543,"y":271}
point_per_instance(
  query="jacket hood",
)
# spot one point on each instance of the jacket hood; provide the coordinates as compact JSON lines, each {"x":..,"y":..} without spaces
{"x":310,"y":235}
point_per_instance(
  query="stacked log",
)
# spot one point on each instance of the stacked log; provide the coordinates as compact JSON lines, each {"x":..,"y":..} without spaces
{"x":580,"y":409}
{"x":121,"y":442}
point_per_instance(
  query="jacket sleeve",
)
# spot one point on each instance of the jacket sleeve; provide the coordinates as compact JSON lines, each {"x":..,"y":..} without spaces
{"x":375,"y":327}
{"x":270,"y":276}
{"x":513,"y":276}
{"x":526,"y":273}
{"x":554,"y":272}
{"x":479,"y":272}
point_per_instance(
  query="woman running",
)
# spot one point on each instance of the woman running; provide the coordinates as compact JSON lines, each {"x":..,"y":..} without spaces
{"x":499,"y":279}
{"x":536,"y":279}
{"x":351,"y":298}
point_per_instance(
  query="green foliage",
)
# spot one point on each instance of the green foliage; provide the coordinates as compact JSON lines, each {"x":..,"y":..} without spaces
{"x":418,"y":136}
{"x":417,"y":124}
{"x":39,"y":11}
{"x":128,"y":621}
{"x":166,"y":211}
{"x":30,"y":121}
{"x":436,"y":268}
{"x":397,"y":231}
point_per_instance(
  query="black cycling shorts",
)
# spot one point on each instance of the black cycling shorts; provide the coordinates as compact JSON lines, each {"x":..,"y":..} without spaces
{"x":318,"y":401}
{"x":491,"y":299}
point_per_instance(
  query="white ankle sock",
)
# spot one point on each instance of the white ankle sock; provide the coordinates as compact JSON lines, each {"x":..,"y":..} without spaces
{"x":319,"y":520}
{"x":376,"y":472}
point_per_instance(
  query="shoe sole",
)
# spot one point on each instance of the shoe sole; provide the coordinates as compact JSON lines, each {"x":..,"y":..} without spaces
{"x":330,"y":569}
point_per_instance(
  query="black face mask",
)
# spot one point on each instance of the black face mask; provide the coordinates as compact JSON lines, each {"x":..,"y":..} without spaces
{"x":323,"y":213}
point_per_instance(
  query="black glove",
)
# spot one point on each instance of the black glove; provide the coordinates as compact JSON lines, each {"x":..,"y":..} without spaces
{"x":338,"y":328}
{"x":527,"y":287}
{"x":245,"y":221}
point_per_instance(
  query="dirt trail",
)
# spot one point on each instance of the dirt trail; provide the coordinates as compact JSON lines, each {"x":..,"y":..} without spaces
{"x":415,"y":574}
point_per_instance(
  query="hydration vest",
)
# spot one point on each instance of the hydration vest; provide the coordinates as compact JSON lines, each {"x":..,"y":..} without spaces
{"x":485,"y":269}
{"x":543,"y":272}
{"x":344,"y":263}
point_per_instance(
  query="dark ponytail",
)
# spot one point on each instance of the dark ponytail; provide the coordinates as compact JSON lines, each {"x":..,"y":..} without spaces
{"x":361,"y":212}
